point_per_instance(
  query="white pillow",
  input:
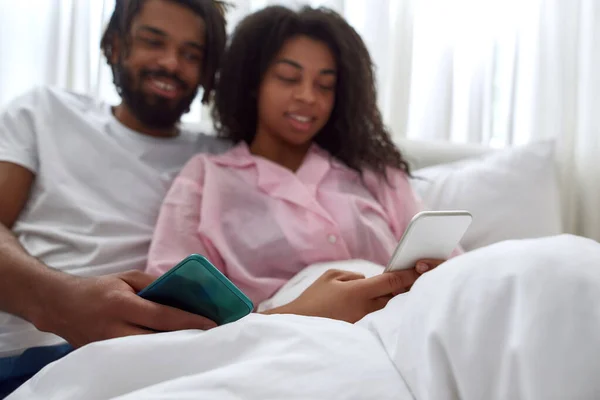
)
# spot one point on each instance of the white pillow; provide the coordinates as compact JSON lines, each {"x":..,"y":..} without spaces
{"x":512,"y":194}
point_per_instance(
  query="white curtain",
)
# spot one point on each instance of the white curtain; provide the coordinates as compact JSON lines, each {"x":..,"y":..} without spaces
{"x":565,"y":103}
{"x":52,"y":42}
{"x":494,"y":72}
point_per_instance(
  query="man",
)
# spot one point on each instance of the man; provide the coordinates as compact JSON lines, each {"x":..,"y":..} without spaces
{"x":81,"y":184}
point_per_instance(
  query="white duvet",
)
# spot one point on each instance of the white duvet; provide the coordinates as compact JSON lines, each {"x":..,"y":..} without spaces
{"x":515,"y":320}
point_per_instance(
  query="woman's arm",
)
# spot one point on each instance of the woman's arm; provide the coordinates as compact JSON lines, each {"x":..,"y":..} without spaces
{"x":176,"y":234}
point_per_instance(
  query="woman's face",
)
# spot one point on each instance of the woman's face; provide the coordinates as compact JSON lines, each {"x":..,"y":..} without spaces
{"x":297,"y":93}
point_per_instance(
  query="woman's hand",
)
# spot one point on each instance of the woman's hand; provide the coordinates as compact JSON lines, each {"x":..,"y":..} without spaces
{"x":348,"y":296}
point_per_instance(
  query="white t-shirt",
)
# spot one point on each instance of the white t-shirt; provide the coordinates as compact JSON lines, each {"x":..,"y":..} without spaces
{"x":97,"y":192}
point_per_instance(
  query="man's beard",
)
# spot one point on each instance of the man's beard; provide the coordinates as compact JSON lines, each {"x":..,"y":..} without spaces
{"x":151,"y":110}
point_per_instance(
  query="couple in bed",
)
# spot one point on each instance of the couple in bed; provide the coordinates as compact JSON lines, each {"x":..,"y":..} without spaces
{"x":311,"y":176}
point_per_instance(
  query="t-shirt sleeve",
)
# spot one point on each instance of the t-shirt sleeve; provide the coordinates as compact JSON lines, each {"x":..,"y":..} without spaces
{"x":18,"y":139}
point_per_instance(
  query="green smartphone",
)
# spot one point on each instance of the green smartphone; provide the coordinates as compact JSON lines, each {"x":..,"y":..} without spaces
{"x":197,"y":286}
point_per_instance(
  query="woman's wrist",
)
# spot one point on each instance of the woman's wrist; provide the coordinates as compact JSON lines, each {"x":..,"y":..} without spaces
{"x":290,"y":308}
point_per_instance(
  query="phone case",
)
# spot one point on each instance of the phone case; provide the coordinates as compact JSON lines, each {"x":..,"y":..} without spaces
{"x":197,"y":286}
{"x":429,"y":235}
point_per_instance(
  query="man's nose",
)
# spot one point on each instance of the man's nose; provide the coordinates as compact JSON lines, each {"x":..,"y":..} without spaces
{"x":169,"y":61}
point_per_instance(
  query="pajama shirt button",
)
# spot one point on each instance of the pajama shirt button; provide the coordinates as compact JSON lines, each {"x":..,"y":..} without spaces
{"x":332,"y":239}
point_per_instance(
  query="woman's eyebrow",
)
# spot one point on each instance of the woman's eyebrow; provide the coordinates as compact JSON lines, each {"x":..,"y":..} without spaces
{"x":326,"y":71}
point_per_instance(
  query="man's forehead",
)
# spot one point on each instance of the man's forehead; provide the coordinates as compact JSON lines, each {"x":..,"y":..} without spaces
{"x":171,"y":19}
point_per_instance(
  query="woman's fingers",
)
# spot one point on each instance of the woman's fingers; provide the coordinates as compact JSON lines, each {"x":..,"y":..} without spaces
{"x":341,"y":275}
{"x":427,"y":264}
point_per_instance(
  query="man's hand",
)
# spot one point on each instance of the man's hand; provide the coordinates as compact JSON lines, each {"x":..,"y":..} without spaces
{"x":348,"y":296}
{"x":84,"y":310}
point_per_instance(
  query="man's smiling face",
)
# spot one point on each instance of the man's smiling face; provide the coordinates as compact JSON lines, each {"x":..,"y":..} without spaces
{"x":160,"y":69}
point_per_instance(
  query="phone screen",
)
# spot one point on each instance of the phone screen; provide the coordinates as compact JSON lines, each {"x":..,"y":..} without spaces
{"x":193,"y":286}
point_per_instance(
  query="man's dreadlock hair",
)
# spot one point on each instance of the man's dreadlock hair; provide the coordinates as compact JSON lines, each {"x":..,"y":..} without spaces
{"x":212,"y":13}
{"x":355,"y":133}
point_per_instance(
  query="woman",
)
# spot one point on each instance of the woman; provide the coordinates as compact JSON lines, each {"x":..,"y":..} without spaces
{"x":314,"y":176}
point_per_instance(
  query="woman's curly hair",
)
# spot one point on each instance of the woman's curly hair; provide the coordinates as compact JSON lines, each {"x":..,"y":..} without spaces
{"x":355,"y":133}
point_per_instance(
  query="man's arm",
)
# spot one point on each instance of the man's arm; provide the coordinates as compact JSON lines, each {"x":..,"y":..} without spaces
{"x":25,"y":280}
{"x":81,"y":310}
{"x":23,"y":276}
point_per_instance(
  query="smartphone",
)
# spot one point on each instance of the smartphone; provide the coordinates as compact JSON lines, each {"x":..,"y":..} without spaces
{"x":430,"y":235}
{"x":197,"y":286}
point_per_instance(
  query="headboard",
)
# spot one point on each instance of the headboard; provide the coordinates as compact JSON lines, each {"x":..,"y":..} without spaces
{"x":421,"y":154}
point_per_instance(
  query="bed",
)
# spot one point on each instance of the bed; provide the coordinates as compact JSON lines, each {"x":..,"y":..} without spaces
{"x":516,"y":317}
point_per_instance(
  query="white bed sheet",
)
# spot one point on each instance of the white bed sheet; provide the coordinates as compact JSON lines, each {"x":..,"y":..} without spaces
{"x":515,"y":320}
{"x":260,"y":357}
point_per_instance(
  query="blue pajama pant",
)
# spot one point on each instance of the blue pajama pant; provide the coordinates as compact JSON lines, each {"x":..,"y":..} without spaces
{"x":14,"y":371}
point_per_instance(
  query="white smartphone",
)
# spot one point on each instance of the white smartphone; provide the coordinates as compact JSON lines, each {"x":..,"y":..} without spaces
{"x":430,"y":235}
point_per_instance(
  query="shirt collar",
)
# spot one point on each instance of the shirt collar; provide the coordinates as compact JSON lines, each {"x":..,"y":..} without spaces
{"x":240,"y":157}
{"x":299,"y":187}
